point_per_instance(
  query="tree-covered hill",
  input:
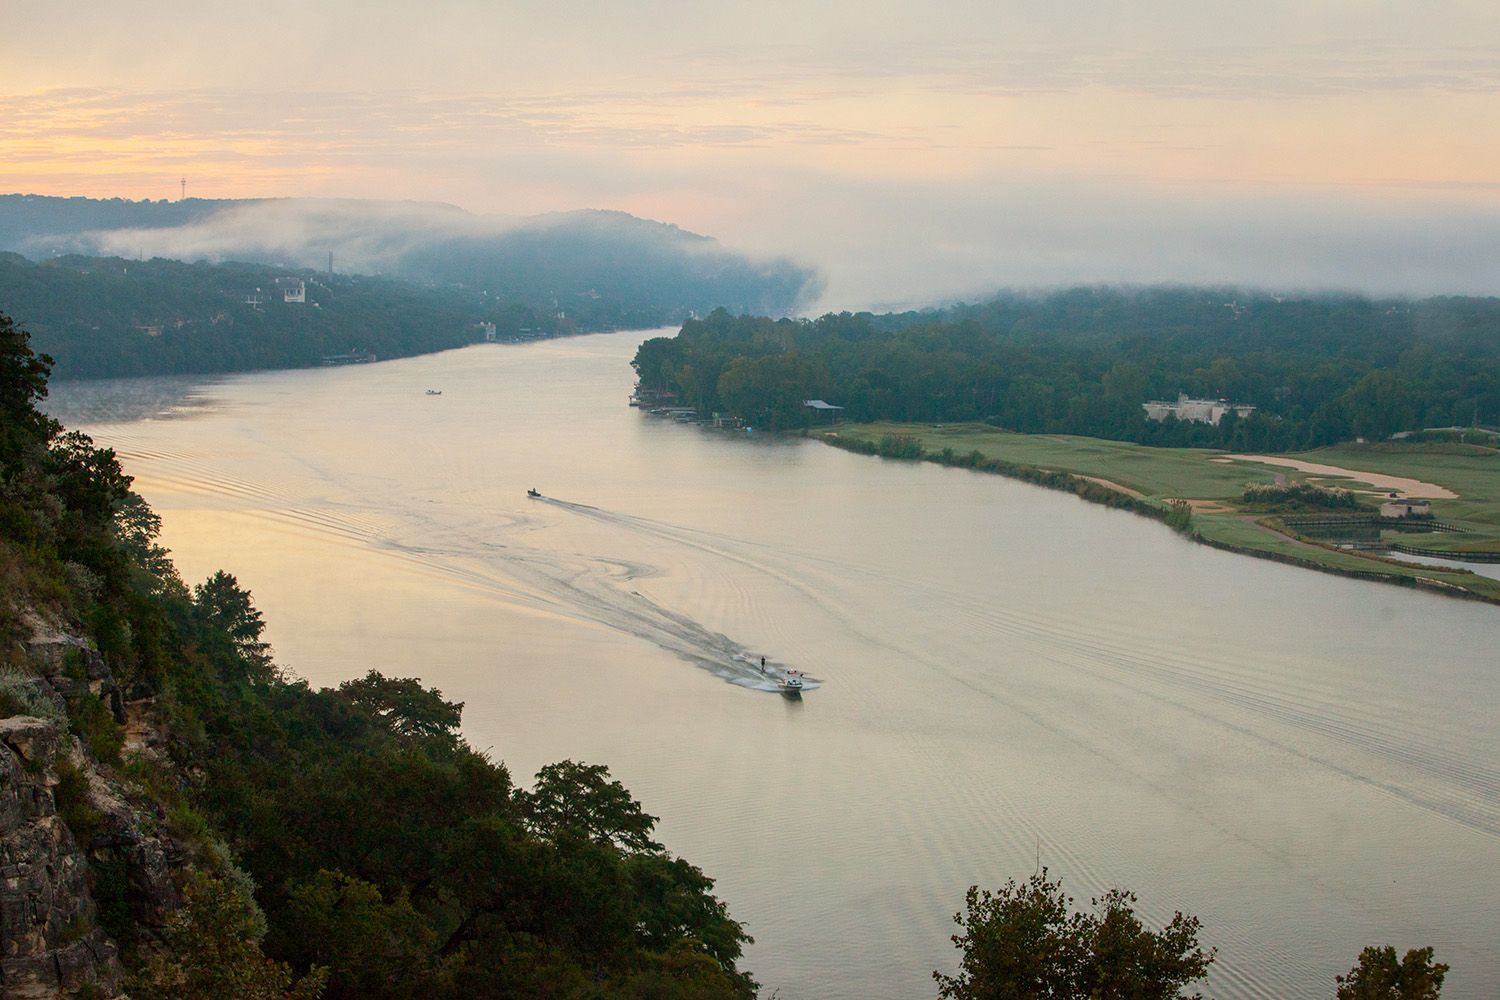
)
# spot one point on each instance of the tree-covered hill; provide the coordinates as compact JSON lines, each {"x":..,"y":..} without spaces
{"x":1082,"y":361}
{"x":601,"y":267}
{"x":109,"y":317}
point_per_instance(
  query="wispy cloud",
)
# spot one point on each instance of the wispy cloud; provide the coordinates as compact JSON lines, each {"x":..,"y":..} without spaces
{"x":944,"y":143}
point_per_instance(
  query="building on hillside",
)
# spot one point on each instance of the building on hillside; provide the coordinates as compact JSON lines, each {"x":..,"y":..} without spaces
{"x":292,"y":289}
{"x":349,"y":358}
{"x":1203,"y":411}
{"x":489,"y":332}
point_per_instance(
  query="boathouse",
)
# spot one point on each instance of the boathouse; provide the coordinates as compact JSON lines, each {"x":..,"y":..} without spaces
{"x":1406,"y":507}
{"x":823,"y":412}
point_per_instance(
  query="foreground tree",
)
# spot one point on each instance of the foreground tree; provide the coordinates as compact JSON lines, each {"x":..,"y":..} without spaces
{"x":212,"y":952}
{"x":1378,"y":976}
{"x":1023,"y":943}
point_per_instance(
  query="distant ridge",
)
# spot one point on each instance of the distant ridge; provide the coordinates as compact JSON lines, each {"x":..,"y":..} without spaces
{"x":559,"y":260}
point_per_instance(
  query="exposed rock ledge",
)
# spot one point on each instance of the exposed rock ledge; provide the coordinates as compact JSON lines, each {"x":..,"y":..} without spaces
{"x":51,"y":943}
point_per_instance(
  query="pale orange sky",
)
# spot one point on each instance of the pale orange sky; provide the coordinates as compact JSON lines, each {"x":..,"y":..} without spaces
{"x":957,"y":146}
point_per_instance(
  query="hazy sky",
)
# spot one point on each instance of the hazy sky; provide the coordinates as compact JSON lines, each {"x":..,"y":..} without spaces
{"x":910,"y":150}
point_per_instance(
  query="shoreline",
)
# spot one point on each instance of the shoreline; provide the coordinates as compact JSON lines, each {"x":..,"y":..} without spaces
{"x":1228,"y":528}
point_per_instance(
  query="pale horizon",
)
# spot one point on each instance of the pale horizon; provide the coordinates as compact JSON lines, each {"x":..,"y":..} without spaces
{"x":912,"y":153}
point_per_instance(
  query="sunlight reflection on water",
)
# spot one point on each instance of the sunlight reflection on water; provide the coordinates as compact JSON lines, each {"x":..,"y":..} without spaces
{"x":1305,"y":762}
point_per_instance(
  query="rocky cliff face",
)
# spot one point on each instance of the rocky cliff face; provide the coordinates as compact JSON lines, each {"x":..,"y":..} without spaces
{"x":50,"y":943}
{"x":52,"y":876}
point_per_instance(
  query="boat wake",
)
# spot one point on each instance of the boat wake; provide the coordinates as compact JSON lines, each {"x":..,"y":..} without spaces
{"x":592,"y":591}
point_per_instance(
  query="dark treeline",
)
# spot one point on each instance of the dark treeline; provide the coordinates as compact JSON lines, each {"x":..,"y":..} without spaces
{"x":1318,"y":370}
{"x":350,"y":833}
{"x":106,"y":317}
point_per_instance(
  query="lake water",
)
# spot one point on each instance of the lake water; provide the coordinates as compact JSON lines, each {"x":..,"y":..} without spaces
{"x":1010,"y":676}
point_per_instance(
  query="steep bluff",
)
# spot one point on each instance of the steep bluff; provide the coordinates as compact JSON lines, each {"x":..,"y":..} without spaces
{"x":59,"y":884}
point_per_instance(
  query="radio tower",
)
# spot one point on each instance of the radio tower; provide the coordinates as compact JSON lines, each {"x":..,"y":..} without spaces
{"x":184,"y":189}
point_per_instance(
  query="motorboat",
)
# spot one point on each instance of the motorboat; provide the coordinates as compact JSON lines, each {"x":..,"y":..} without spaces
{"x":533,"y":494}
{"x":434,"y":392}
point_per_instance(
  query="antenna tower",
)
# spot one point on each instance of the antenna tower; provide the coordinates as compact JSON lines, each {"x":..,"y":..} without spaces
{"x":184,"y":189}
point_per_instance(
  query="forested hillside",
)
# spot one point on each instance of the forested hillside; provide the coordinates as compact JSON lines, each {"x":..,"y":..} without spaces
{"x":176,"y":803}
{"x":101,"y":317}
{"x":1318,"y":370}
{"x":599,"y":269}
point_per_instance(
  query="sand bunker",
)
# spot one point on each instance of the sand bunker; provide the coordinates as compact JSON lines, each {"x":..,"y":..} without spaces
{"x":1202,"y":506}
{"x":1410,"y":487}
{"x":1114,"y":486}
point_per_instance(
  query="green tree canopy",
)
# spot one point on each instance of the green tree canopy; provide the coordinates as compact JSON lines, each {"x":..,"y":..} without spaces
{"x":1026,"y":943}
{"x":1378,"y":976}
{"x":409,"y":710}
{"x":582,"y":798}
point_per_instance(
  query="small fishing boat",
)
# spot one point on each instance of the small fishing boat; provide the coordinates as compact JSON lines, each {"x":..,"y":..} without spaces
{"x":434,"y":392}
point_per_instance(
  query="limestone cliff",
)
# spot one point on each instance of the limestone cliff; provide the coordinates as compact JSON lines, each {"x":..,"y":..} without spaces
{"x":53,"y":874}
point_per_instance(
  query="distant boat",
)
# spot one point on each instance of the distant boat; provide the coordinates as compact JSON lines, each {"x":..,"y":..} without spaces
{"x":533,"y":494}
{"x":434,"y":392}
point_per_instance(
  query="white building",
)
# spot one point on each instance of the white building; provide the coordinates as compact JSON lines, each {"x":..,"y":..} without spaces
{"x":292,"y":289}
{"x":1205,"y":411}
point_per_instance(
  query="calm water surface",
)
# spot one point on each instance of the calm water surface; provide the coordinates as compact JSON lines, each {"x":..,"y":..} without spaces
{"x":1010,"y":675}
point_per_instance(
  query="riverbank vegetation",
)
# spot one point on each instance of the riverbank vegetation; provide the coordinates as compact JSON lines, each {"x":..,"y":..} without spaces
{"x":105,"y":317}
{"x":1160,"y":482}
{"x":1284,"y":498}
{"x":1068,"y":374}
{"x":1082,"y":362}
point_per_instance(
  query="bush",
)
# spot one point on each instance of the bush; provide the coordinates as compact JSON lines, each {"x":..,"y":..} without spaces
{"x":71,"y":794}
{"x":92,"y":722}
{"x":1023,"y":942}
{"x":19,"y":695}
{"x":1378,"y":976}
{"x":212,"y":953}
{"x":111,"y":894}
{"x":1180,"y":518}
{"x":1298,"y":496}
{"x":900,"y":446}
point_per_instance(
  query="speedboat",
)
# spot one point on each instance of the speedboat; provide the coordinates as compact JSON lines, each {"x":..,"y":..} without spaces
{"x":434,"y":392}
{"x":533,"y":494}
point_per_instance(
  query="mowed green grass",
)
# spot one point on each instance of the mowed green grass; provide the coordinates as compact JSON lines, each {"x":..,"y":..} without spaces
{"x":1153,"y":472}
{"x":1192,"y":474}
{"x":1476,"y":479}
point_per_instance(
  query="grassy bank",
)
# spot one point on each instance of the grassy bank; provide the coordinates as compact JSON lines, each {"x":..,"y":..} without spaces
{"x":1149,"y":480}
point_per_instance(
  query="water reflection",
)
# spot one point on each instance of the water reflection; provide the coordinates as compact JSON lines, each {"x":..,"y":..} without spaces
{"x":120,"y":401}
{"x":1307,"y":763}
{"x":1384,"y":538}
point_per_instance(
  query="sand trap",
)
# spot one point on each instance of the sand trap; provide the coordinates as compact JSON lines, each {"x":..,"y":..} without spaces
{"x":1410,"y":487}
{"x":1114,"y":486}
{"x":1202,"y":506}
